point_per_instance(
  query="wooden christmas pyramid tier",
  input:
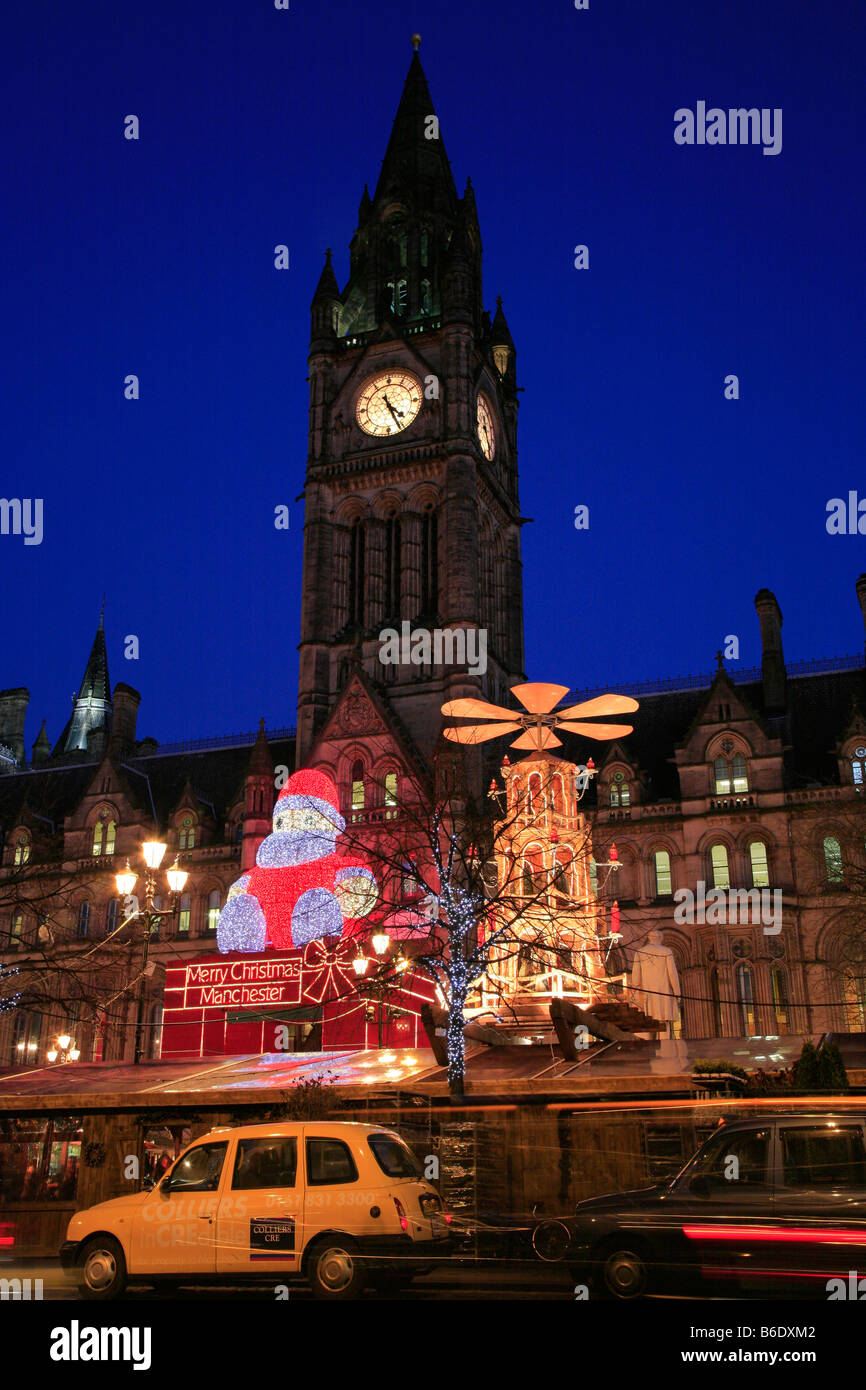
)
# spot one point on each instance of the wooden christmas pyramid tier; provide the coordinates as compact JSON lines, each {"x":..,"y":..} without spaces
{"x":625,"y":1016}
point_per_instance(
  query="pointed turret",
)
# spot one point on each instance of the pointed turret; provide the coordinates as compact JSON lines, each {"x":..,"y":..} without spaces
{"x":42,"y":747}
{"x":404,"y":231}
{"x":325,"y":308}
{"x":415,"y":164}
{"x":259,"y":796}
{"x":501,"y":341}
{"x":91,"y":710}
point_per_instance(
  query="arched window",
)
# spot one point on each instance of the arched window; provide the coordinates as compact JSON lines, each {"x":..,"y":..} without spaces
{"x":213,"y":909}
{"x":25,"y":1038}
{"x":183,"y":916}
{"x":715,"y":1001}
{"x":619,"y":790}
{"x":833,"y":860}
{"x":558,"y":795}
{"x":593,"y":876}
{"x":855,"y":989}
{"x":393,"y":562}
{"x":98,"y":832}
{"x":719,"y":865}
{"x":111,"y":916}
{"x":424,"y":305}
{"x":730,"y":775}
{"x":664,"y":886}
{"x":429,"y":561}
{"x":779,"y":990}
{"x":83,"y":925}
{"x":760,"y":867}
{"x":358,"y":785}
{"x":528,"y":885}
{"x":22,"y":849}
{"x":858,"y":768}
{"x":356,"y":573}
{"x":562,"y":878}
{"x":187,"y":833}
{"x":110,"y":836}
{"x":534,"y":804}
{"x":746,"y":997}
{"x":390,"y":789}
{"x":425,"y":243}
{"x":17,"y":930}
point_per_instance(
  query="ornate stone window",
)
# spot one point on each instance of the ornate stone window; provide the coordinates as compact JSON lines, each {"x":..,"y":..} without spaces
{"x":858,"y":768}
{"x":833,"y":860}
{"x":730,"y":773}
{"x":745,"y":980}
{"x":719,"y":865}
{"x":186,"y":839}
{"x":22,"y":849}
{"x":759,"y":866}
{"x":357,"y":785}
{"x":663,"y":880}
{"x":620,"y":795}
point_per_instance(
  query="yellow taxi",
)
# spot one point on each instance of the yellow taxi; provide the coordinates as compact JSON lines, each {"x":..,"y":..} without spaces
{"x":333,"y":1202}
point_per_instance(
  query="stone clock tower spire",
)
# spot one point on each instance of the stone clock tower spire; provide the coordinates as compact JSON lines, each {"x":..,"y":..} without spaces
{"x":411,"y":504}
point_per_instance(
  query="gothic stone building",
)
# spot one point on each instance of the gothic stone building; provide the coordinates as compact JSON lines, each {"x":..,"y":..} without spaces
{"x":738,"y":781}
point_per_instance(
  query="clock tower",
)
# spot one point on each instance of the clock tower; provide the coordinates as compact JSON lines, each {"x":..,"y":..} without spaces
{"x":411,"y":512}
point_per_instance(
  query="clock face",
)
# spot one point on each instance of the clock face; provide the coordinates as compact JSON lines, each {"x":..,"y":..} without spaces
{"x":388,"y":402}
{"x":486,"y":428}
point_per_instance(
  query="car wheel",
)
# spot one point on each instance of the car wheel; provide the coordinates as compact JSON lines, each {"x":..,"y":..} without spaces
{"x":101,"y":1269}
{"x":335,"y":1270}
{"x":551,"y":1240}
{"x":621,"y":1271}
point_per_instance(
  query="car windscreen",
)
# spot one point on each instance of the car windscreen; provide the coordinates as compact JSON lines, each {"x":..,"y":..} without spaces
{"x":394,"y":1157}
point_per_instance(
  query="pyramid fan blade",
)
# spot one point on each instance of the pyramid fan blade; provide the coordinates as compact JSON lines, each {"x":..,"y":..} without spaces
{"x":475,"y":709}
{"x":597,"y":730}
{"x":538,"y":697}
{"x":602,"y":704}
{"x":530,"y":740}
{"x":479,"y":733}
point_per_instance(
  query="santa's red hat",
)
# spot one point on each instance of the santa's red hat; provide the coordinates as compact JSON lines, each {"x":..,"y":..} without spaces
{"x":311,"y":789}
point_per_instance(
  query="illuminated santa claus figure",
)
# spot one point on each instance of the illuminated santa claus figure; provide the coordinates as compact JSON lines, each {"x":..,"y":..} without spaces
{"x":300,"y":888}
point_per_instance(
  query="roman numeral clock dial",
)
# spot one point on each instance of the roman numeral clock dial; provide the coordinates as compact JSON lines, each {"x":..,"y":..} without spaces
{"x":388,"y":403}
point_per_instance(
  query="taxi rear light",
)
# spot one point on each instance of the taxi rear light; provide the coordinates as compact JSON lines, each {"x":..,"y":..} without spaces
{"x":404,"y":1222}
{"x":447,"y":1216}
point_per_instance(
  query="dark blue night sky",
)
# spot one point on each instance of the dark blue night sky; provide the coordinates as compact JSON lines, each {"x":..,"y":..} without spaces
{"x":260,"y":127}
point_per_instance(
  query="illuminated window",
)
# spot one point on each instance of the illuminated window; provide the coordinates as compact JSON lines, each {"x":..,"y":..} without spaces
{"x":390,"y":789}
{"x":358,"y":786}
{"x":730,"y":775}
{"x":593,"y":876}
{"x":183,"y":916}
{"x":98,"y":831}
{"x":719,"y":863}
{"x":619,"y":790}
{"x":534,"y":805}
{"x":187,"y":833}
{"x":746,"y":996}
{"x":779,"y":988}
{"x":760,"y":868}
{"x":110,"y":836}
{"x":833,"y":860}
{"x":858,"y":768}
{"x":17,"y":929}
{"x":213,"y":909}
{"x":22,"y":849}
{"x":663,"y":873}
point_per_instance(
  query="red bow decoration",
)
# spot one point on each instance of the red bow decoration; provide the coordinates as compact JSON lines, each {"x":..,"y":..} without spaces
{"x":332,"y":964}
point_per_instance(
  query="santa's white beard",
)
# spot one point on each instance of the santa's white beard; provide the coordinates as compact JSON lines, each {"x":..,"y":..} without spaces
{"x":287,"y":847}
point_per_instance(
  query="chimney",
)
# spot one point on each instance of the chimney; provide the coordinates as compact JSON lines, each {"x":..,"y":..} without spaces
{"x":13,"y":711}
{"x":773,"y":674}
{"x":123,"y":720}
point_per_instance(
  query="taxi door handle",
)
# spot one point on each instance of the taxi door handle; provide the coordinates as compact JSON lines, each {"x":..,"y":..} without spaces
{"x":205,"y":1218}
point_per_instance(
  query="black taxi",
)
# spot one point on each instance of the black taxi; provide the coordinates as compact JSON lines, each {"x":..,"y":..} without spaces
{"x":775,"y":1206}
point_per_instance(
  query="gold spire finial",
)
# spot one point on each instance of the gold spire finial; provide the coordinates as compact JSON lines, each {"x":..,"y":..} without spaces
{"x":416,"y":42}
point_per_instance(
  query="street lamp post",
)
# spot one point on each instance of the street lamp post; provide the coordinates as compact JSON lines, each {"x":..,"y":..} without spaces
{"x":153,"y":852}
